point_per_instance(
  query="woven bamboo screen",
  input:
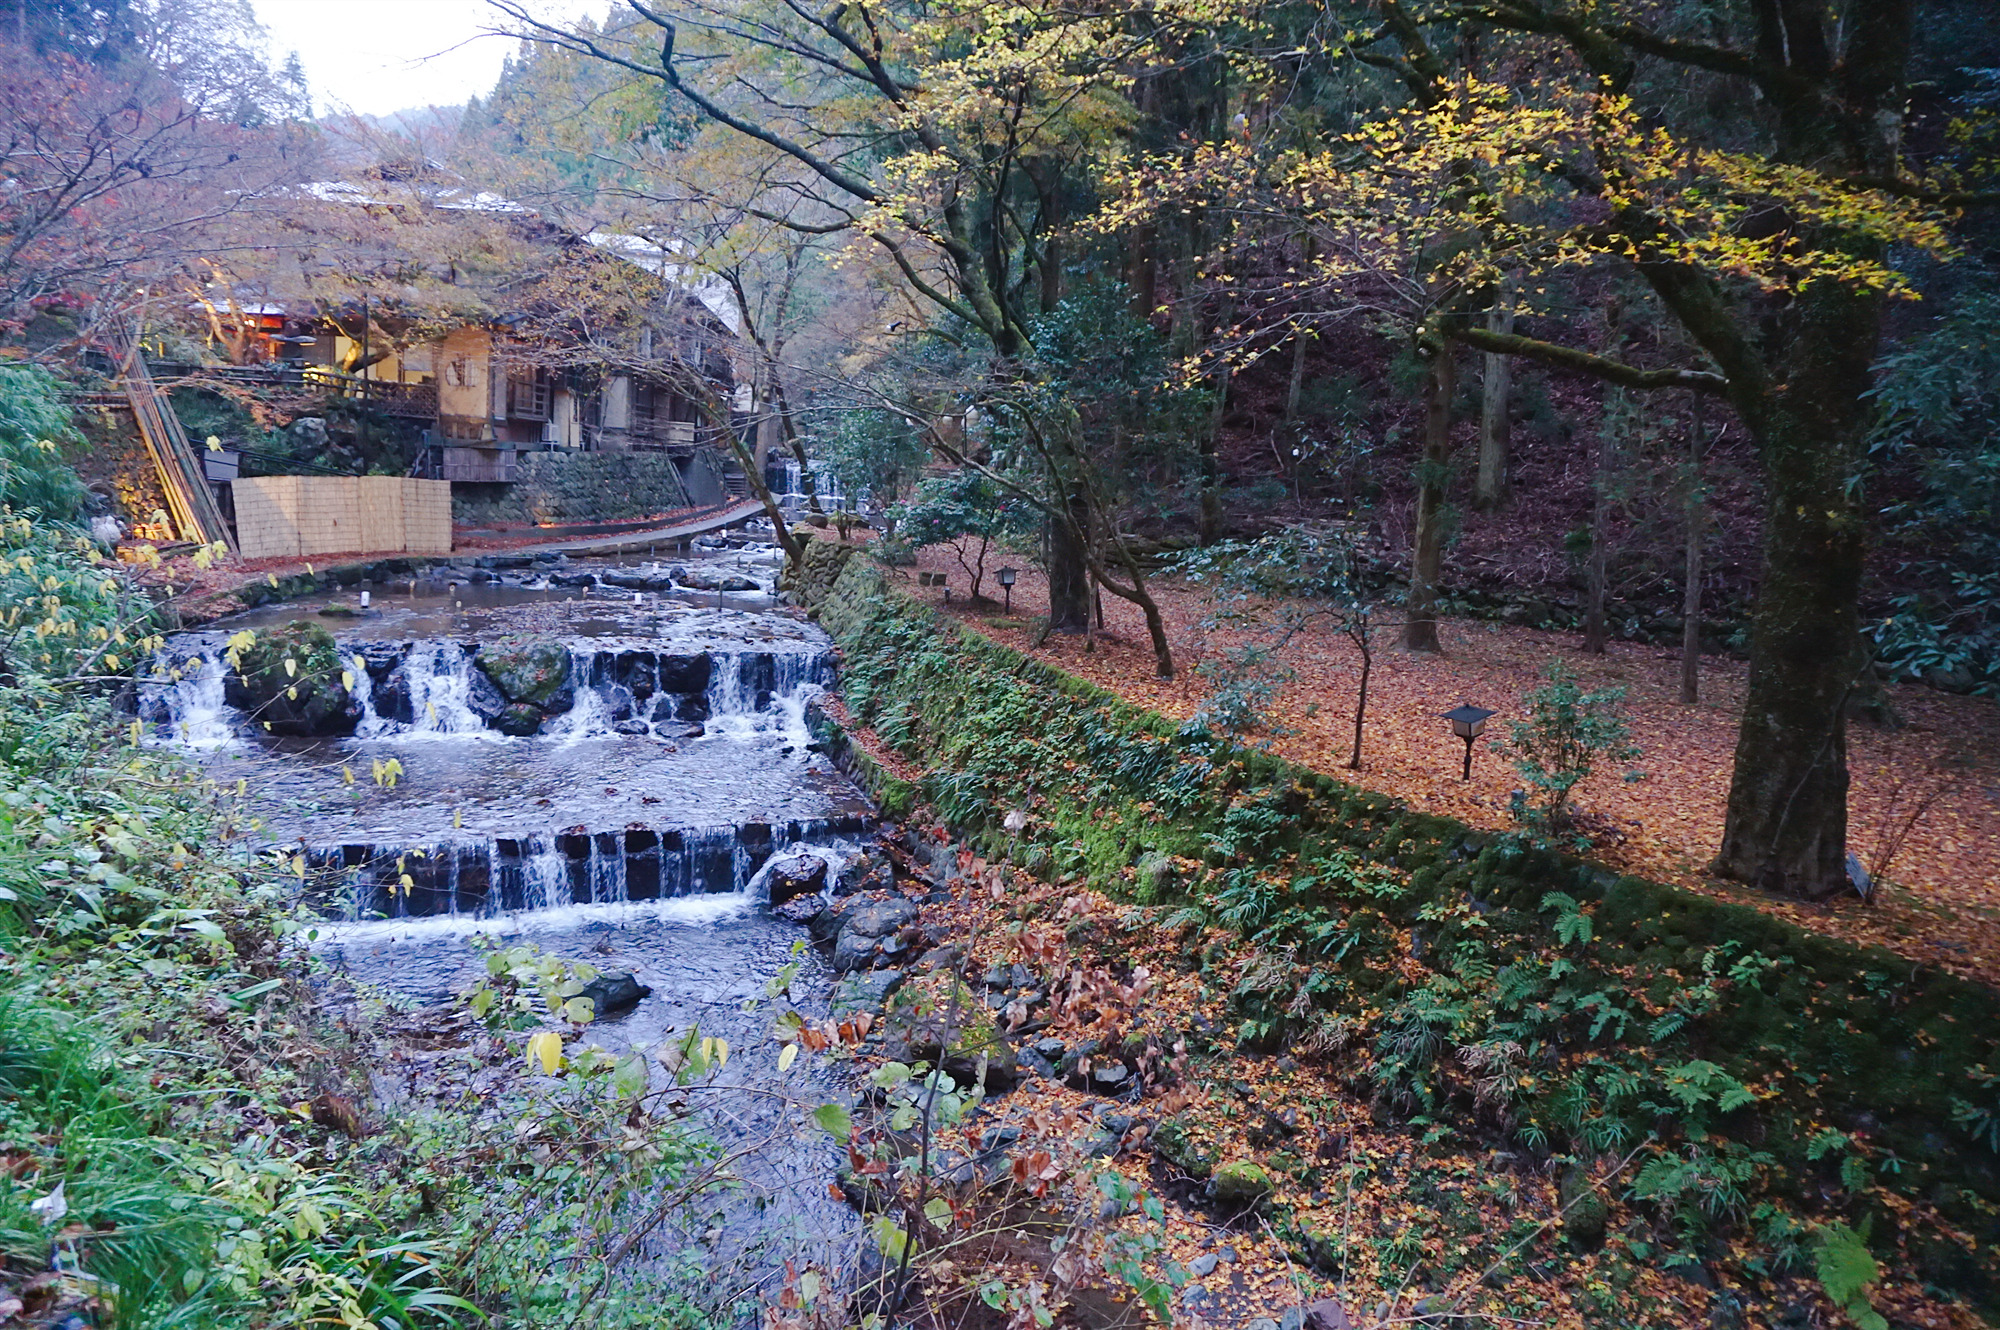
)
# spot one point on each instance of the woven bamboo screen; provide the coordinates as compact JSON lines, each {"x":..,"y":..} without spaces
{"x":279,"y":516}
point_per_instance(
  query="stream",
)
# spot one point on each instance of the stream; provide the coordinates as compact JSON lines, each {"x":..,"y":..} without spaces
{"x":631,"y":831}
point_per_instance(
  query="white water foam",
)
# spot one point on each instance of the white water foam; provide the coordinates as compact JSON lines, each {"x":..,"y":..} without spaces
{"x":198,"y":714}
{"x":733,"y":696}
{"x":607,"y":868}
{"x":544,"y":874}
{"x":702,"y":909}
{"x":439,"y":677}
{"x":835,"y":856}
{"x":587,"y":717}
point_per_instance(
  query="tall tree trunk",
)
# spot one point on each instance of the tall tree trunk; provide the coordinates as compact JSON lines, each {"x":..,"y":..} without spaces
{"x":1048,"y":223}
{"x":1787,"y":823}
{"x":1786,"y":829}
{"x":1691,"y":592}
{"x":1069,"y":566}
{"x":1295,"y":385}
{"x":712,"y":406}
{"x":1138,"y":594}
{"x":788,"y":426}
{"x":1496,"y":374}
{"x":793,"y":546}
{"x":1211,"y":471}
{"x":1427,"y":554}
{"x":1598,"y":573}
{"x":1142,"y":271}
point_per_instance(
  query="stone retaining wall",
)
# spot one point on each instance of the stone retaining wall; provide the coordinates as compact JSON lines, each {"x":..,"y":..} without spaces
{"x":575,"y":487}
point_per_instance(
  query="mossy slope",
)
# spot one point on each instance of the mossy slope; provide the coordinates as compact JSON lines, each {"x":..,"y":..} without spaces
{"x":1737,"y":1053}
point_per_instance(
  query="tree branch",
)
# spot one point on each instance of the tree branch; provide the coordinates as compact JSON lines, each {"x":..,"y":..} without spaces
{"x":1911,"y":189}
{"x":556,"y":36}
{"x":1612,"y":371}
{"x":928,"y":291}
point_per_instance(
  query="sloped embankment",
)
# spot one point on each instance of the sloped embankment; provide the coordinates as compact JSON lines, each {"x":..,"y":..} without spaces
{"x":1777,"y":1098}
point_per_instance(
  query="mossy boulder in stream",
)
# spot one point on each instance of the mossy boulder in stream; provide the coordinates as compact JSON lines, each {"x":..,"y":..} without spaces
{"x":532,"y":673}
{"x":289,"y":681}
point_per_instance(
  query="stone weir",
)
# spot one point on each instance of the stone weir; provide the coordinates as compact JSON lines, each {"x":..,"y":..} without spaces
{"x":487,"y":876}
{"x":388,"y":690}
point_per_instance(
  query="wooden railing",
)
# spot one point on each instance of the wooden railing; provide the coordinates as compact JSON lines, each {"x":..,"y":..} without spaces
{"x":673,"y":436}
{"x":414,"y":401}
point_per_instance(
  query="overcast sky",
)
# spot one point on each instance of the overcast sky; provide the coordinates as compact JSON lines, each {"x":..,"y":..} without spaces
{"x":378,"y":56}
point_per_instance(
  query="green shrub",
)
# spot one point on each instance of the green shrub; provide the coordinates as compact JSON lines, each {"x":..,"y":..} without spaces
{"x":1567,"y":734}
{"x":34,"y":422}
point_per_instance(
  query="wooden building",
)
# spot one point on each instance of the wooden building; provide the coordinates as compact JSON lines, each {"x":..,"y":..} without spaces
{"x":486,"y":363}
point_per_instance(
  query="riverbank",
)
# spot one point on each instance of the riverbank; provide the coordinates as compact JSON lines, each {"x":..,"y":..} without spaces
{"x":200,"y":588}
{"x":1463,"y":1063}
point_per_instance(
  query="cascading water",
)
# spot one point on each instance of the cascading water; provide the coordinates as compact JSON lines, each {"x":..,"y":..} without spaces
{"x":184,"y":699}
{"x":590,"y":713}
{"x":633,"y":828}
{"x":765,"y":693}
{"x":607,"y":868}
{"x":544,"y":875}
{"x":361,"y":687}
{"x":479,"y":879}
{"x":438,"y":676}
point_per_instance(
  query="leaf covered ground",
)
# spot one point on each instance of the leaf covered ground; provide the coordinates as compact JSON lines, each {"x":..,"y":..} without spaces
{"x":1940,"y":901}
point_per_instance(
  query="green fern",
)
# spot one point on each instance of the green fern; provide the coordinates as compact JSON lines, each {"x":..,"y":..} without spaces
{"x":1846,"y":1271}
{"x":1572,"y":924}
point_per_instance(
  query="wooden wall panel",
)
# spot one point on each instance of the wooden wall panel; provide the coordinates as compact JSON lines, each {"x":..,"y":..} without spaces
{"x":380,"y":501}
{"x":427,"y":516}
{"x":329,"y":515}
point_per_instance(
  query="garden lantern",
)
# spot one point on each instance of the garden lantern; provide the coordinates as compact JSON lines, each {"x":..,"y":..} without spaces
{"x":1007,"y":576}
{"x":1467,"y":722}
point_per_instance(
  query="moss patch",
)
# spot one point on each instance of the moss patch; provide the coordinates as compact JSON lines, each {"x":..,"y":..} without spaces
{"x":532,"y":673}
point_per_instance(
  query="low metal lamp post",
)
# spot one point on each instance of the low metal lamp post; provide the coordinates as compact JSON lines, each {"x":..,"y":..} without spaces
{"x":1468,"y":722}
{"x":1007,"y":576}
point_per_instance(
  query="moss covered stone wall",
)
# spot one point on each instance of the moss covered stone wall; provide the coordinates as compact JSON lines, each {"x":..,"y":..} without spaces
{"x":1766,"y":1082}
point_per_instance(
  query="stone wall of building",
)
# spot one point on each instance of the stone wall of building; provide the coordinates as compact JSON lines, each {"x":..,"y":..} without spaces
{"x":567,"y":488}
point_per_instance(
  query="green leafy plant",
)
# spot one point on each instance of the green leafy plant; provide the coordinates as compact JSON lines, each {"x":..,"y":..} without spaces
{"x":1847,"y":1271}
{"x":524,"y":986}
{"x":1277,"y":588}
{"x":1937,"y":408}
{"x":1566,"y":735}
{"x":65,"y":613}
{"x":967,"y":512}
{"x":34,"y":421}
{"x":1700,"y":1186}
